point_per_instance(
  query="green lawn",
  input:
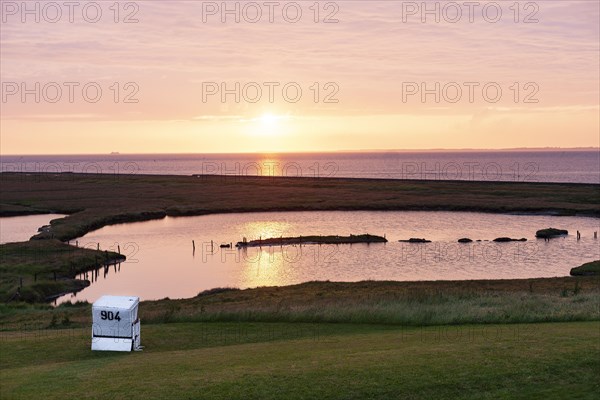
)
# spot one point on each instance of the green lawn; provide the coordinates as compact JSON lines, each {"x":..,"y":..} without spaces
{"x":309,"y":361}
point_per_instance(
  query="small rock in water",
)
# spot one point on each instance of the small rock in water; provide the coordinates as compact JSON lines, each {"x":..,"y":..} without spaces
{"x":464,"y":240}
{"x":550,"y":233}
{"x":507,"y":239}
{"x":415,"y":240}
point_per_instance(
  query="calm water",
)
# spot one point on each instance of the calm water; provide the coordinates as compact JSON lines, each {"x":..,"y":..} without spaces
{"x":161,"y":262}
{"x":20,"y":229}
{"x":518,"y":166}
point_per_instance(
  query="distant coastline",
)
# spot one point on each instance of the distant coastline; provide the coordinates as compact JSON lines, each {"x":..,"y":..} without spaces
{"x":343,"y":151}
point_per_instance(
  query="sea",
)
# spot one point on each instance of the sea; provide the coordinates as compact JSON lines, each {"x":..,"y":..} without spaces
{"x":574,"y":166}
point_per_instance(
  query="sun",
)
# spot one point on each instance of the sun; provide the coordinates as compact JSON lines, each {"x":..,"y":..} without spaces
{"x":269,"y":120}
{"x":268,"y":125}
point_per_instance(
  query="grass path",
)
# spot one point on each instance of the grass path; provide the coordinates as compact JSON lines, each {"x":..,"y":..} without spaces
{"x":306,"y":361}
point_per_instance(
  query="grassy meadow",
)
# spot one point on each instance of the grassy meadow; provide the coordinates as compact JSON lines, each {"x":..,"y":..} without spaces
{"x":302,"y":361}
{"x":368,"y":302}
{"x":326,"y":340}
{"x":529,"y":338}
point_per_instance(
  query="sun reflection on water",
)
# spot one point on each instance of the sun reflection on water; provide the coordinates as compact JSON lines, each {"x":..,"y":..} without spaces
{"x":264,"y":229}
{"x":267,"y":266}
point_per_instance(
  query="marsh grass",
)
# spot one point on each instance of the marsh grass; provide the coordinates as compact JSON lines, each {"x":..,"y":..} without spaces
{"x":37,"y":270}
{"x":371,"y":302}
{"x":108,"y":199}
{"x":424,"y":311}
{"x":588,"y":269}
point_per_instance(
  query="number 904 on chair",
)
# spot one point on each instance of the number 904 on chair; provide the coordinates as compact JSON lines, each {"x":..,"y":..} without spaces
{"x":115,"y":324}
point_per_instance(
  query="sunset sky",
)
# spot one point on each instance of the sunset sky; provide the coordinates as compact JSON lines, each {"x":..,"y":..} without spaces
{"x":368,"y":61}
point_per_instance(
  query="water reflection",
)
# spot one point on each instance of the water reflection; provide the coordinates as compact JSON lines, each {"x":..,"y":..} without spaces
{"x":162,"y":261}
{"x":265,"y":229}
{"x":92,"y":275}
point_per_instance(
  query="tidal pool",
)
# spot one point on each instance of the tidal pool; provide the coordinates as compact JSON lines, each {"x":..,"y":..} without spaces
{"x":161,"y":261}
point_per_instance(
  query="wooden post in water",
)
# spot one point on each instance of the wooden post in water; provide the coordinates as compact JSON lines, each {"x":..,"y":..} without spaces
{"x":77,"y":243}
{"x":119,"y":249}
{"x":193,"y":245}
{"x":98,"y":247}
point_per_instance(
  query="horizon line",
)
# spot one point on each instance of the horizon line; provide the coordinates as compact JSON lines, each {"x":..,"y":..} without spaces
{"x":507,"y":149}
